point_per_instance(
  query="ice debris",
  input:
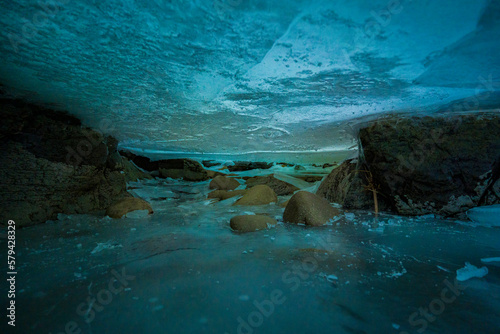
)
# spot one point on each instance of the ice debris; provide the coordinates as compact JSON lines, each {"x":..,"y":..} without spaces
{"x":470,"y":271}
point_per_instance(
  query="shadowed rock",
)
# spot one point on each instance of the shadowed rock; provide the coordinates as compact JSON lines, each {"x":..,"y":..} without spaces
{"x":345,"y":186}
{"x":240,"y":166}
{"x":187,"y":169}
{"x":438,"y":165}
{"x":50,"y":164}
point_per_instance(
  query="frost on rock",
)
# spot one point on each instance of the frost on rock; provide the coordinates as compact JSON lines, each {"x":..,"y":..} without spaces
{"x":470,"y":271}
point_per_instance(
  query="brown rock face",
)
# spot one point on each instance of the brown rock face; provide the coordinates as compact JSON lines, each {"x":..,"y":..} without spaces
{"x":345,"y":186}
{"x":309,"y":209}
{"x":50,"y":164}
{"x":251,"y":223}
{"x":280,"y":187}
{"x":258,"y":195}
{"x":433,"y":165}
{"x":422,"y":165}
{"x":223,"y":183}
{"x":126,"y":205}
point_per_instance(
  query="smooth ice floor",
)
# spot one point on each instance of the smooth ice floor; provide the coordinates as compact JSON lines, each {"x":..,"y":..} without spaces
{"x":182,"y":270}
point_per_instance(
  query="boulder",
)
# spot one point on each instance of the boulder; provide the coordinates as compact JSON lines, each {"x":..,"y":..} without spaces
{"x":251,"y":223}
{"x":439,"y":165}
{"x":223,"y":183}
{"x":299,"y":167}
{"x":50,"y":164}
{"x":258,"y":195}
{"x":345,"y":186}
{"x":309,"y":209}
{"x":240,"y":166}
{"x":126,"y":205}
{"x":224,"y":194}
{"x":280,"y":187}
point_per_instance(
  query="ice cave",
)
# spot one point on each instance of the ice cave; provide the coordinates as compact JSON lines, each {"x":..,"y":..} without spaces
{"x":250,"y":166}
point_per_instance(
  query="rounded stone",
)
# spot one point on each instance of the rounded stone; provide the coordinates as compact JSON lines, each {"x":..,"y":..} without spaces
{"x":223,"y":183}
{"x":309,"y":209}
{"x":258,"y":195}
{"x":126,"y":205}
{"x":251,"y":223}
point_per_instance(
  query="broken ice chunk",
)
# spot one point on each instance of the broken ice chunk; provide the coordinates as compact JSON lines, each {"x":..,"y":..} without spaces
{"x":470,"y":271}
{"x":493,"y":260}
{"x":332,"y":278}
{"x":350,"y":216}
{"x":485,"y":215}
{"x":137,"y":214}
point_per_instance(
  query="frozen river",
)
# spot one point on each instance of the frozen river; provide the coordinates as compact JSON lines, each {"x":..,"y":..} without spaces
{"x":182,"y":270}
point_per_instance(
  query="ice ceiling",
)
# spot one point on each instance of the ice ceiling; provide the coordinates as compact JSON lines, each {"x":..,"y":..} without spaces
{"x":246,"y":75}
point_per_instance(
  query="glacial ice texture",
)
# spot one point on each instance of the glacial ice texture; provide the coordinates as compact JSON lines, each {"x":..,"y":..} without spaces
{"x":238,"y":76}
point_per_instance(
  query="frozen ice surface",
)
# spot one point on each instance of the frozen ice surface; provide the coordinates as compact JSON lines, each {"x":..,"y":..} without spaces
{"x":189,"y":273}
{"x":485,"y":215}
{"x":103,"y":246}
{"x":137,"y":214}
{"x":470,"y":271}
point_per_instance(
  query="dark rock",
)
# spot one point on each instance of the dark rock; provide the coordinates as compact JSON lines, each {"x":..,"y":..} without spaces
{"x":240,"y":166}
{"x":210,"y":163}
{"x":141,"y":162}
{"x":310,"y":178}
{"x":299,"y":167}
{"x":345,"y":186}
{"x":187,"y":169}
{"x":50,"y":164}
{"x":224,"y":183}
{"x":436,"y":165}
{"x":280,"y":187}
{"x":327,"y":165}
{"x":309,"y":209}
{"x":133,"y":173}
